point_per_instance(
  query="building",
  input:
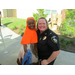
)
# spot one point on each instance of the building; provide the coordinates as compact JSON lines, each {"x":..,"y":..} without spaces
{"x":18,"y":13}
{"x":24,"y":13}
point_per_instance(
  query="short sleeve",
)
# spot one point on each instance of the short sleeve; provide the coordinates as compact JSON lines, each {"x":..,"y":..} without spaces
{"x":53,"y":43}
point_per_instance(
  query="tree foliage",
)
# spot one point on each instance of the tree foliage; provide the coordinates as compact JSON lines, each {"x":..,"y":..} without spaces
{"x":39,"y":14}
{"x":70,"y":14}
{"x":69,"y":23}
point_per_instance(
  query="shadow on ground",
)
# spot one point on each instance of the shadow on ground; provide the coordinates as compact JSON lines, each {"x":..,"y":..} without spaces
{"x":7,"y":23}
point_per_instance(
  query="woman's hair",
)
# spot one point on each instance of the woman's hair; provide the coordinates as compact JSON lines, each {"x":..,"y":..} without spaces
{"x":45,"y":20}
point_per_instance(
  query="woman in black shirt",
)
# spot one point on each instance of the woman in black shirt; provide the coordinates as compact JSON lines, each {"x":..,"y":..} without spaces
{"x":48,"y":43}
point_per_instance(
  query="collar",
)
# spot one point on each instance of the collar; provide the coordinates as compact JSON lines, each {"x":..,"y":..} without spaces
{"x":44,"y":33}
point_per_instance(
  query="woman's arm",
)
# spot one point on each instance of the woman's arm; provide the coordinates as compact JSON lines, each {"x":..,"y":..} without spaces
{"x":51,"y":58}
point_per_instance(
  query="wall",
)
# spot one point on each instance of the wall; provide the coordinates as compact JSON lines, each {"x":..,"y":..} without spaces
{"x":24,"y":13}
{"x":9,"y":13}
{"x":63,"y":14}
{"x":50,"y":11}
{"x":4,"y":13}
{"x":19,"y":13}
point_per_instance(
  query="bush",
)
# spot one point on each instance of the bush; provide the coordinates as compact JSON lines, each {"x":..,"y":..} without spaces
{"x":21,"y":32}
{"x":68,"y":25}
{"x":64,"y":42}
{"x":62,"y":39}
{"x":70,"y":14}
{"x":14,"y":27}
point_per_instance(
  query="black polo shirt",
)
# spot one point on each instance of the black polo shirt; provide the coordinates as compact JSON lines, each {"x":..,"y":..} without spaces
{"x":48,"y":42}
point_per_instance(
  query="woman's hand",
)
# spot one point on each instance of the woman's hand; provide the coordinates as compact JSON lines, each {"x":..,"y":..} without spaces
{"x":44,"y":62}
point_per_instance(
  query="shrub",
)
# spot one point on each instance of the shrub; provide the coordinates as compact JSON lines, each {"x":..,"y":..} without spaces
{"x":68,"y":25}
{"x":14,"y":27}
{"x":63,"y":42}
{"x":62,"y":39}
{"x":20,"y":31}
{"x":64,"y":45}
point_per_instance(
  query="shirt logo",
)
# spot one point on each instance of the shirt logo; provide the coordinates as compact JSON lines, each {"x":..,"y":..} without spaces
{"x":54,"y":39}
{"x":44,"y":38}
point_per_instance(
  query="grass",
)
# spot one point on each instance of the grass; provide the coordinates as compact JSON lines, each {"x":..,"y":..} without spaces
{"x":9,"y":22}
{"x":14,"y":24}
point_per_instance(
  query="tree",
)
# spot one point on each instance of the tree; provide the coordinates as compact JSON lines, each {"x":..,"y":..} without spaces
{"x":70,"y":14}
{"x":69,"y":23}
{"x":39,"y":14}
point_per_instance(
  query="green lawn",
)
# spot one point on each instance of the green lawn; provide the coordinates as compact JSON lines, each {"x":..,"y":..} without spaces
{"x":14,"y":24}
{"x":11,"y":22}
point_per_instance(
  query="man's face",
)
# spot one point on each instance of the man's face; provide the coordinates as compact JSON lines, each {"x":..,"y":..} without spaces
{"x":42,"y":26}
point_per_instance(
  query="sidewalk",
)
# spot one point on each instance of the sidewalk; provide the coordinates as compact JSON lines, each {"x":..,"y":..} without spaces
{"x":12,"y":44}
{"x":65,"y":58}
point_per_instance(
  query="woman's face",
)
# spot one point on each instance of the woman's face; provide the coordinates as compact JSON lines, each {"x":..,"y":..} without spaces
{"x":42,"y":26}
